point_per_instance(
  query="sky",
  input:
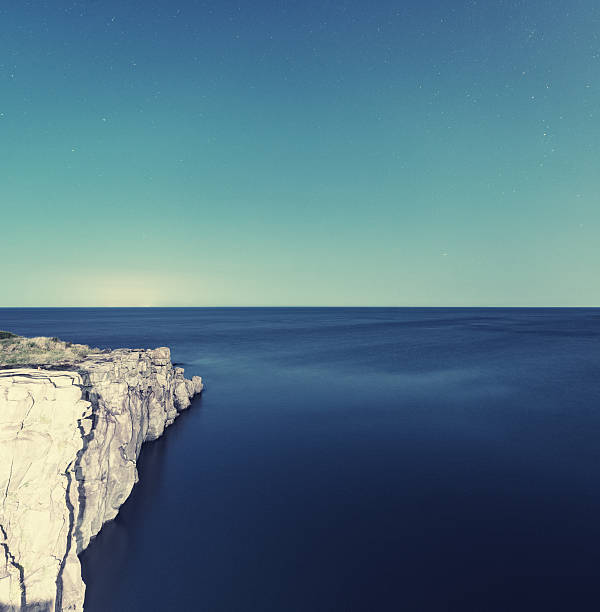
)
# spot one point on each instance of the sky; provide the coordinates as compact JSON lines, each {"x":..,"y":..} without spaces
{"x":221,"y":153}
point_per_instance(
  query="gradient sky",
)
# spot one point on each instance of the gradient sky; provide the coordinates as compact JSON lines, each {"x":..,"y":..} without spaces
{"x":299,"y":153}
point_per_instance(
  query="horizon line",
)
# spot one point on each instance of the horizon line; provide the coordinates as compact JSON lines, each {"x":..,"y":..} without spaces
{"x":286,"y":306}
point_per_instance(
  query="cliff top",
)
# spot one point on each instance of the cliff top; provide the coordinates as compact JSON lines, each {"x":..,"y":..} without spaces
{"x":16,"y":350}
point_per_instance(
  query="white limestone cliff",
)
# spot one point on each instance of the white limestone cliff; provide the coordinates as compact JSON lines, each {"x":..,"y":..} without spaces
{"x":69,"y":443}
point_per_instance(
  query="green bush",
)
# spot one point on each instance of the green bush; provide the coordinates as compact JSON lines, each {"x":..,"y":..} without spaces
{"x":17,"y":351}
{"x":4,"y":335}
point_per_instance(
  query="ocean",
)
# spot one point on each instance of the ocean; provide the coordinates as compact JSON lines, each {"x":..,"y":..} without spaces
{"x":357,"y":459}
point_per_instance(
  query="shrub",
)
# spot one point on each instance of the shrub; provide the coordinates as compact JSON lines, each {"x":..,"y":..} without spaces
{"x":15,"y":350}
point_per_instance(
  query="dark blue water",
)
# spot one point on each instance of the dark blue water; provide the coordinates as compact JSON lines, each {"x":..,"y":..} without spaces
{"x":358,"y":459}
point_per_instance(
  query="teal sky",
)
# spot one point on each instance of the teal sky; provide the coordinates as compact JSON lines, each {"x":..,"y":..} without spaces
{"x":299,"y":153}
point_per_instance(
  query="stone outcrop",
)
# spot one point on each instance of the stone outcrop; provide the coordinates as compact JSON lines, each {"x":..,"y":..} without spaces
{"x":69,"y":443}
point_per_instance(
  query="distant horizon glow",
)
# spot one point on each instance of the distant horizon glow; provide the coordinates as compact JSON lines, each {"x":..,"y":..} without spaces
{"x":204,"y":153}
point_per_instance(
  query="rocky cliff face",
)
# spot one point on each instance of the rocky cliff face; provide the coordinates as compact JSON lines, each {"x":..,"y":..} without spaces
{"x":69,"y":442}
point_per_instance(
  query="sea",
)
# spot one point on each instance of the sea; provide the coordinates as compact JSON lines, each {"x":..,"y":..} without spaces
{"x":357,"y":459}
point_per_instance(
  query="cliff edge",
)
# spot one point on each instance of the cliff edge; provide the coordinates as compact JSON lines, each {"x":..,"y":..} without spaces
{"x":69,"y":442}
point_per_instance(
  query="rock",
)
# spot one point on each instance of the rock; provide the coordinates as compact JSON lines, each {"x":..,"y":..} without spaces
{"x":69,"y":443}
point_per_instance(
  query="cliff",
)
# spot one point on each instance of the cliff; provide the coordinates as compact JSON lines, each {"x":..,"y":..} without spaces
{"x":69,"y":442}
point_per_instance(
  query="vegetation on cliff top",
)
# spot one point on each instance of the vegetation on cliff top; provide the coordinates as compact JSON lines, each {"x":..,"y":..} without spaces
{"x":16,"y":350}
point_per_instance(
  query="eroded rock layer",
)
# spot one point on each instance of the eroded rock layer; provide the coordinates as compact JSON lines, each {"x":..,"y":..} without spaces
{"x":69,"y":443}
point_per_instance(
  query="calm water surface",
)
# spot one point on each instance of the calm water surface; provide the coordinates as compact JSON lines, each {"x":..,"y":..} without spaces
{"x":358,"y":459}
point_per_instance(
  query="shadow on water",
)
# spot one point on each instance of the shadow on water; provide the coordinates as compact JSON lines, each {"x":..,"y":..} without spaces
{"x":115,"y":541}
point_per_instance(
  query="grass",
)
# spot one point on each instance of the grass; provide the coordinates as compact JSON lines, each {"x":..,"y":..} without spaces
{"x":16,"y":351}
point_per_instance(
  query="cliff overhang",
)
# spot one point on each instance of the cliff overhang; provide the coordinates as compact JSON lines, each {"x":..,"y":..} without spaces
{"x":70,"y":437}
